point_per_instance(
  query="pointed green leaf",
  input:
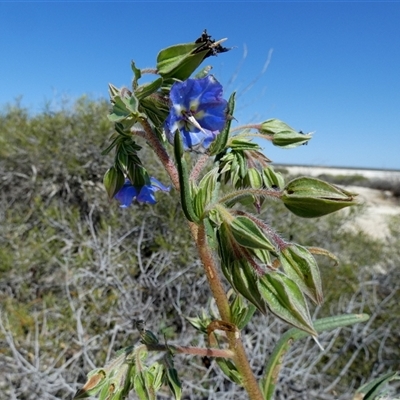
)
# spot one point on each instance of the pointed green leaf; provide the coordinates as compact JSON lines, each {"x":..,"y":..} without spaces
{"x":139,"y":385}
{"x":113,"y":91}
{"x":157,"y":111}
{"x":300,"y":265}
{"x":136,"y":72}
{"x":113,"y":181}
{"x":170,"y":58}
{"x":131,"y":103}
{"x":95,"y":381}
{"x":241,"y":311}
{"x":370,"y":390}
{"x":254,"y":179}
{"x":147,"y":89}
{"x":186,"y":198}
{"x":137,"y":175}
{"x":285,"y":300}
{"x":119,"y":110}
{"x":219,"y":144}
{"x":230,"y":370}
{"x":122,"y":159}
{"x":275,"y":361}
{"x":245,"y":281}
{"x":203,"y":72}
{"x":248,"y":234}
{"x":157,"y":373}
{"x":207,"y":191}
{"x":116,"y":138}
{"x":180,"y":61}
{"x":174,"y":383}
{"x":272,"y":178}
{"x":241,"y":143}
{"x":237,"y":271}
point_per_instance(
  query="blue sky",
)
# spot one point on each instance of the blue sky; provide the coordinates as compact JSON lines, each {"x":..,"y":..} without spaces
{"x":334,"y":67}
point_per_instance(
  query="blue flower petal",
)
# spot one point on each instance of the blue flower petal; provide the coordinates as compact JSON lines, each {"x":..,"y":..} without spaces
{"x":200,"y":100}
{"x":126,"y":194}
{"x":157,"y":185}
{"x":146,"y":195}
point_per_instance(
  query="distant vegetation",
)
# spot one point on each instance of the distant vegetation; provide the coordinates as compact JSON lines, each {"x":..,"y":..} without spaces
{"x":76,"y":270}
{"x":390,"y":185}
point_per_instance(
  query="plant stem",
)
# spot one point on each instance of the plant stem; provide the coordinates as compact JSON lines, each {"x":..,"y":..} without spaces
{"x":162,"y":154}
{"x":235,"y":344}
{"x":195,"y":351}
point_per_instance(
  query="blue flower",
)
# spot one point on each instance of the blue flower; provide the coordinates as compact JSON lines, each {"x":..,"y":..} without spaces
{"x":144,"y":194}
{"x":197,"y":110}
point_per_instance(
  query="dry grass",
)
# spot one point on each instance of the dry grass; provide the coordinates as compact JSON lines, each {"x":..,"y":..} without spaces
{"x":76,"y":271}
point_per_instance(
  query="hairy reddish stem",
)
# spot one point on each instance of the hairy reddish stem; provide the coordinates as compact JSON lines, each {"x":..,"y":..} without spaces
{"x":235,"y":344}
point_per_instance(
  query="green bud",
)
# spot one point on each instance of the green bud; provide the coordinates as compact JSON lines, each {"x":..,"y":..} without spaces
{"x":122,"y":160}
{"x":273,"y":126}
{"x":311,"y":197}
{"x":148,"y":337}
{"x":243,"y":278}
{"x":300,"y":265}
{"x":254,"y":178}
{"x":272,"y":178}
{"x":241,"y":311}
{"x":290,"y":139}
{"x":124,"y":106}
{"x":137,"y":175}
{"x":113,"y":181}
{"x":282,"y":134}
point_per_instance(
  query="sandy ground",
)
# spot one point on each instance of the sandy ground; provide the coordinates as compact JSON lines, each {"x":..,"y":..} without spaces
{"x":379,"y":206}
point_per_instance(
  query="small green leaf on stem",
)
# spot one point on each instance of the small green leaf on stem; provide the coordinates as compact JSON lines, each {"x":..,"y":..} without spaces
{"x":248,"y":234}
{"x":219,"y":144}
{"x":370,"y":390}
{"x":300,"y":265}
{"x":275,"y":361}
{"x":113,"y":181}
{"x":285,"y":299}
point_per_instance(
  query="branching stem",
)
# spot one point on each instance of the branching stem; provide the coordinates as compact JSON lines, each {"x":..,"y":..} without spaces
{"x":198,"y":232}
{"x":238,"y":194}
{"x":162,"y":154}
{"x":195,"y":351}
{"x":235,"y":344}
